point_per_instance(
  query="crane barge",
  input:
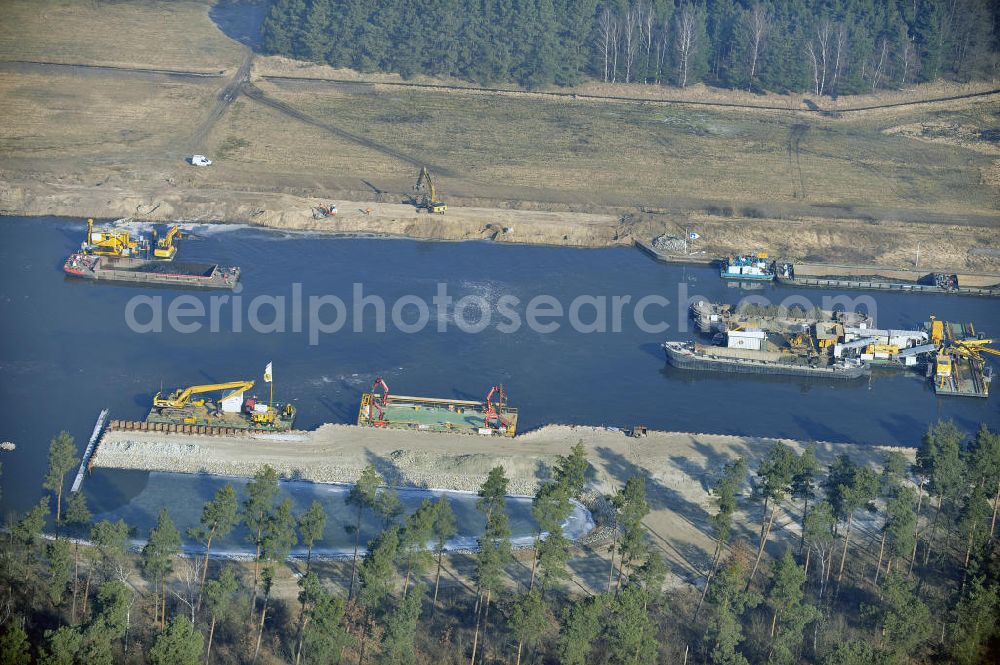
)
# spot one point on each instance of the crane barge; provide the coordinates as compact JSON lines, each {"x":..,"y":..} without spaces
{"x":220,"y":405}
{"x":492,"y":416}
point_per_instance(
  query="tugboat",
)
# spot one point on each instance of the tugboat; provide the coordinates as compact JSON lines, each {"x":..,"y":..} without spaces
{"x":748,"y":267}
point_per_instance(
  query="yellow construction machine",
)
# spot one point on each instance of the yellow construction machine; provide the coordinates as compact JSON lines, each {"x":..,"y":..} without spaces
{"x":165,"y":247}
{"x":424,"y":194}
{"x":109,"y":241}
{"x":269,"y":416}
{"x":942,"y":369}
{"x":973,"y":348}
{"x":181,"y":398}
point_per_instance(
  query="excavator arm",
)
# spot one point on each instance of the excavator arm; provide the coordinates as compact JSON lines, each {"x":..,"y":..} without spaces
{"x":165,"y":248}
{"x":180,"y":398}
{"x":425,"y":195}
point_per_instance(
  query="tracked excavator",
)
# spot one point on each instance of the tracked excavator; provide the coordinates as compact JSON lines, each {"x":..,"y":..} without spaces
{"x":165,"y":248}
{"x":229,"y":409}
{"x":181,"y":398}
{"x":425,"y":196}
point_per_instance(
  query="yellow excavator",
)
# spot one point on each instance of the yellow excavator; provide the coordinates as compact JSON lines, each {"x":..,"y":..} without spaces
{"x":424,"y":194}
{"x":109,"y":241}
{"x":165,"y":247}
{"x":182,"y":398}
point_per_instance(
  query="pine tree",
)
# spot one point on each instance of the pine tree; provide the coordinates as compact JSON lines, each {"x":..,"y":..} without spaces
{"x":631,"y":633}
{"x":776,"y":472}
{"x":14,"y":647}
{"x":529,"y":620}
{"x":278,"y":539}
{"x":220,"y":599}
{"x":902,"y":621}
{"x":324,"y":637}
{"x":494,"y":546}
{"x":218,"y":517}
{"x":179,"y":644}
{"x":444,"y":528}
{"x":399,"y":643}
{"x":311,"y":526}
{"x":850,"y":488}
{"x":375,"y":577}
{"x":726,"y":604}
{"x":939,"y":460}
{"x":631,"y":507}
{"x":77,"y":517}
{"x":984,"y":456}
{"x":162,"y":546}
{"x":110,"y":540}
{"x":261,"y":493}
{"x":571,"y":470}
{"x":416,"y":533}
{"x":581,"y":624}
{"x":60,"y":570}
{"x":62,"y":459}
{"x":789,"y":615}
{"x":724,"y":494}
{"x":804,"y":482}
{"x":363,"y":495}
{"x":61,"y":646}
{"x":550,"y":508}
{"x":974,"y":623}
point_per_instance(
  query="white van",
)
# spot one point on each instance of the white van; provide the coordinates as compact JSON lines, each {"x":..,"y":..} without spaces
{"x":200,"y":160}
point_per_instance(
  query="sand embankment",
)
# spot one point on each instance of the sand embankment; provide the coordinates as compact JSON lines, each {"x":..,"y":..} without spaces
{"x":679,"y":467}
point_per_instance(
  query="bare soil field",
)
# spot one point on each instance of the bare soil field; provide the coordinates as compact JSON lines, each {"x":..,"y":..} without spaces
{"x":678,"y":467}
{"x":167,"y":34}
{"x":861,"y":187}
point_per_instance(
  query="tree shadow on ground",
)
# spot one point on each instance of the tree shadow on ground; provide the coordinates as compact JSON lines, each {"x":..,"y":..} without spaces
{"x":241,"y":20}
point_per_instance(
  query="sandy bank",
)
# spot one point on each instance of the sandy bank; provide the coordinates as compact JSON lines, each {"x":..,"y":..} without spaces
{"x":287,"y":211}
{"x":890,"y":244}
{"x":679,"y":467}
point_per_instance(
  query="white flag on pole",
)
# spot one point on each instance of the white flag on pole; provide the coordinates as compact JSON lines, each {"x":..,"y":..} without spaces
{"x":267,"y":373}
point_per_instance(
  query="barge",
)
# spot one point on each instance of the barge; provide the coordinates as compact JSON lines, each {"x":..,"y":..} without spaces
{"x":184,"y":274}
{"x":491,"y":417}
{"x":713,"y":358}
{"x":877,"y":279}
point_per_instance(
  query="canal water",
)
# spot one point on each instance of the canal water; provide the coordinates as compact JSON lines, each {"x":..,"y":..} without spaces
{"x":67,"y":351}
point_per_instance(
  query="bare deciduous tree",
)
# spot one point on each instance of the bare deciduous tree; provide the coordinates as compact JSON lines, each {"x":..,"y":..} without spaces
{"x":908,"y":60}
{"x":757,"y":21}
{"x":839,"y":49}
{"x":630,"y":39}
{"x":811,"y":52}
{"x":661,"y":50}
{"x":878,"y":62}
{"x":605,"y":32}
{"x":647,"y":24}
{"x":687,"y":41}
{"x":616,"y":36}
